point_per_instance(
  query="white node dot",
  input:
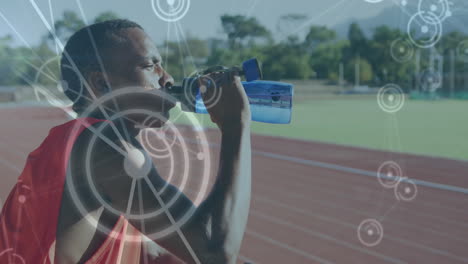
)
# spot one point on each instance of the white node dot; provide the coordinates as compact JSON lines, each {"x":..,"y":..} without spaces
{"x":407,"y":190}
{"x":402,"y":49}
{"x":390,"y":174}
{"x":200,"y":156}
{"x":403,"y":3}
{"x":203,"y":89}
{"x":433,"y":8}
{"x":136,"y":165}
{"x":424,"y":29}
{"x":170,"y":2}
{"x":22,"y":199}
{"x":370,"y":232}
{"x":391,"y":98}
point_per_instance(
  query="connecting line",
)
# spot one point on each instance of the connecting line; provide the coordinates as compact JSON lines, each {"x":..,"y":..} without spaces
{"x":53,"y":24}
{"x":345,"y":169}
{"x":406,"y":12}
{"x":39,"y":69}
{"x":3,"y":226}
{"x":318,"y":16}
{"x":99,"y":134}
{"x":20,"y":36}
{"x":46,"y":93}
{"x":382,"y":218}
{"x":251,"y":8}
{"x":58,"y":42}
{"x":143,"y":226}
{"x":13,"y":167}
{"x":184,"y":39}
{"x":180,"y":50}
{"x":167,"y":42}
{"x":173,"y":222}
{"x":101,"y":65}
{"x":8,"y":245}
{"x":130,"y":198}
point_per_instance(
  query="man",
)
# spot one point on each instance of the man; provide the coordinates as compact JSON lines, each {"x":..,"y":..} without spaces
{"x":98,"y":61}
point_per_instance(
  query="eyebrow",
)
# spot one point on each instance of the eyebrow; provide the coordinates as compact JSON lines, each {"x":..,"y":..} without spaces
{"x":150,"y":58}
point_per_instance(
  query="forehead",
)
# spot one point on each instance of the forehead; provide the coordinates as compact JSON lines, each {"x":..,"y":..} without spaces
{"x":136,"y":47}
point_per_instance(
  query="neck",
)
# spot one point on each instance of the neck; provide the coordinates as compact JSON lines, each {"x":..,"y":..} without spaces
{"x":125,"y":126}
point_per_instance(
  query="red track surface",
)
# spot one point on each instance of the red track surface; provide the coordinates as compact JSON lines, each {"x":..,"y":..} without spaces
{"x":308,"y":200}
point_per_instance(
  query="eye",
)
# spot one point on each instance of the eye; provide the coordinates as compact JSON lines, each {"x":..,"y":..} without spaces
{"x":149,"y":66}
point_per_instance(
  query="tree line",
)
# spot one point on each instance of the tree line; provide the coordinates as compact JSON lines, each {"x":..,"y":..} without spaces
{"x":320,"y":54}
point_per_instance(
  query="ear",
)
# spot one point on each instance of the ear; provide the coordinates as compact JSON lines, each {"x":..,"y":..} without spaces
{"x":97,"y":82}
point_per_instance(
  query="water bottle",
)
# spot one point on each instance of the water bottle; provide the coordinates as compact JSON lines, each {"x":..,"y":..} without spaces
{"x":270,"y":101}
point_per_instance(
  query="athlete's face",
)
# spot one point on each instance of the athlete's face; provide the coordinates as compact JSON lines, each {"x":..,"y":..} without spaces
{"x":136,"y":62}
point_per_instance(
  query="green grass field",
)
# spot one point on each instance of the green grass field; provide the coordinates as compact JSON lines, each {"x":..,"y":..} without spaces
{"x":436,"y":128}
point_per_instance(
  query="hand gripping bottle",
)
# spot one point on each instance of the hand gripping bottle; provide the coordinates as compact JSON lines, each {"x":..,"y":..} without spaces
{"x":270,"y":102}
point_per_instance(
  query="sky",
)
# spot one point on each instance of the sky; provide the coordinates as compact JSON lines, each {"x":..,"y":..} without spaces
{"x":201,"y":20}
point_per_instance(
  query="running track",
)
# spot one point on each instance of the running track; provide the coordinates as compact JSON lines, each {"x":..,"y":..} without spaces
{"x":309,"y":198}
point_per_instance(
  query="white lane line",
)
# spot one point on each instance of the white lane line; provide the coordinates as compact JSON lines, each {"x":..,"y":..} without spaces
{"x":368,"y":214}
{"x":361,"y":249}
{"x":287,"y":247}
{"x":277,"y":243}
{"x":271,"y":240}
{"x":364,"y":190}
{"x":389,"y":237}
{"x":337,"y":167}
{"x":338,"y":194}
{"x":357,"y":171}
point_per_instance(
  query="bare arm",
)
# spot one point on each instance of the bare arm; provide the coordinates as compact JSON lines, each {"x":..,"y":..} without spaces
{"x":229,"y":203}
{"x":215,"y":231}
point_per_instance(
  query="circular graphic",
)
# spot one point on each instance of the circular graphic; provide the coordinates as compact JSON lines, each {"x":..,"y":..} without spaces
{"x":194,"y":98}
{"x":56,"y":96}
{"x":430,"y":80}
{"x":391,"y":98}
{"x":406,"y":190}
{"x":401,"y":50}
{"x":22,"y":199}
{"x":175,"y":165}
{"x":437,"y":8}
{"x":370,"y":232}
{"x":170,"y":10}
{"x":200,"y":156}
{"x":9,"y":257}
{"x":136,"y":164}
{"x":462,"y":50}
{"x":389,"y":174}
{"x":424,"y":29}
{"x":158,"y":142}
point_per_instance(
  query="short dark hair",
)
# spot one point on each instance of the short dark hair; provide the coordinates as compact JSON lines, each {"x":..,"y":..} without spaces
{"x":83,"y":50}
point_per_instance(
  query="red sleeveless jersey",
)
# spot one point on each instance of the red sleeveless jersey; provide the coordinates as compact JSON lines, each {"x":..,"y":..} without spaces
{"x":29,"y":217}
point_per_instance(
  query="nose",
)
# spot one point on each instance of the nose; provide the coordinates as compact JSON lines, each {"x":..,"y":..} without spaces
{"x":166,"y":80}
